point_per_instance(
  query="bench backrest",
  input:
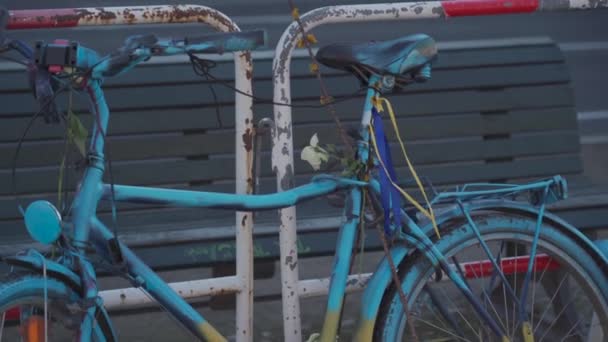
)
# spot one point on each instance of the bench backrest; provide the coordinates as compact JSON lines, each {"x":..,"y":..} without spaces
{"x":493,"y":111}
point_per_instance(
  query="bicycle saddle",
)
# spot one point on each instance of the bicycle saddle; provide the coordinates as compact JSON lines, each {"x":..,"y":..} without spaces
{"x":404,"y":58}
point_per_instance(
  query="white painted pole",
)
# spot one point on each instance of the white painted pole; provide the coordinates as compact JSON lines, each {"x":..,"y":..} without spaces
{"x":282,"y":153}
{"x":132,"y":15}
{"x":131,"y":297}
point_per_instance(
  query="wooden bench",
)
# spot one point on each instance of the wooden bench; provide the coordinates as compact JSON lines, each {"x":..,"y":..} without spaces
{"x":494,"y":111}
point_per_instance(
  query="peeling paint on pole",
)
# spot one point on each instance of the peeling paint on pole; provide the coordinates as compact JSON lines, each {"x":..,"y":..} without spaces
{"x":282,"y":153}
{"x":174,"y":14}
{"x":129,"y":15}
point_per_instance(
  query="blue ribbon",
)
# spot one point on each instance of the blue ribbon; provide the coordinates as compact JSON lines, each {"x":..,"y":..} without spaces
{"x":390,"y":197}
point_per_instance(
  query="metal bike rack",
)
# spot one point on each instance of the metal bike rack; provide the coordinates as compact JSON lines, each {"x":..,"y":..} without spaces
{"x":242,"y":282}
{"x":282,"y":153}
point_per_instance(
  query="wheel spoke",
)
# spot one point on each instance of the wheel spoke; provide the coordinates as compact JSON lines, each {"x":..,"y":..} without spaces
{"x":554,"y":309}
{"x":442,"y":311}
{"x":557,"y":317}
{"x":512,"y":334}
{"x":504,"y":296}
{"x":443,"y":330}
{"x":522,"y":315}
{"x":498,"y":316}
{"x":483,"y":289}
{"x":2,"y":325}
{"x":437,"y":316}
{"x":498,"y":262}
{"x":459,"y":313}
{"x":469,"y":295}
{"x":487,"y":298}
{"x":485,"y":247}
{"x":569,"y":333}
{"x":548,"y":306}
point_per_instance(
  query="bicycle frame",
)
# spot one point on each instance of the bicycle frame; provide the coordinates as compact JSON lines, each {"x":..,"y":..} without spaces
{"x":283,"y":151}
{"x":87,"y":228}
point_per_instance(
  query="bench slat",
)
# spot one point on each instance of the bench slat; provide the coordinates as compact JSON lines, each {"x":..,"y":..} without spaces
{"x":465,"y":172}
{"x":45,"y":153}
{"x":545,"y":98}
{"x":196,"y":94}
{"x":178,"y":72}
{"x":179,"y":170}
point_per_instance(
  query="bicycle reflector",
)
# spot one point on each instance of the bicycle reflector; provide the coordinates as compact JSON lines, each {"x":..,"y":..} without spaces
{"x":43,"y":222}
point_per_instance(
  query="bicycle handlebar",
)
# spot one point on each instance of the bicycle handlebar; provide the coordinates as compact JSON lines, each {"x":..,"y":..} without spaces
{"x":226,"y":42}
{"x":60,"y":56}
{"x":140,"y":48}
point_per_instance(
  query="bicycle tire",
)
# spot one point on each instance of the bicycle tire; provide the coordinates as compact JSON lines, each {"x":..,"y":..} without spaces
{"x":416,"y":269}
{"x":25,"y":290}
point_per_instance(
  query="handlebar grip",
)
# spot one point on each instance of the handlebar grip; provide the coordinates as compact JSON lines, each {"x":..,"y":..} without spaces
{"x":226,"y":42}
{"x":116,"y":64}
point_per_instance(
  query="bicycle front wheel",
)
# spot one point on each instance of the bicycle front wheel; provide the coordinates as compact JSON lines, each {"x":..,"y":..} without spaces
{"x":567,"y":291}
{"x":23,"y":311}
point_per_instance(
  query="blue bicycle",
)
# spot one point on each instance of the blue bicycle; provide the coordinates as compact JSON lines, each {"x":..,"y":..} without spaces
{"x":487,"y":262}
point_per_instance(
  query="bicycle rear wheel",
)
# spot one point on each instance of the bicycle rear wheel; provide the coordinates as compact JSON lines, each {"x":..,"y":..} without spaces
{"x":567,"y":290}
{"x":22,"y":311}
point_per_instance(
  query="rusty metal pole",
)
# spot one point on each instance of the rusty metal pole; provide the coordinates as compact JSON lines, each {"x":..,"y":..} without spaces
{"x":282,"y":153}
{"x":132,"y":15}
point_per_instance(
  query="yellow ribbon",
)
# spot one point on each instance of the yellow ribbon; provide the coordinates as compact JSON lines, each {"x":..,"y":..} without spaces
{"x":378,"y":103}
{"x":295,"y":13}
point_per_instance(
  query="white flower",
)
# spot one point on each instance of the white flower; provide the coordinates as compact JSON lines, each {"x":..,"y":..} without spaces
{"x":314,"y":140}
{"x":314,"y":337}
{"x":314,"y":154}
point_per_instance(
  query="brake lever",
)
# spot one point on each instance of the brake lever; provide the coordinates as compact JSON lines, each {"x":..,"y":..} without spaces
{"x":133,"y":43}
{"x":140,"y":41}
{"x":123,"y":58}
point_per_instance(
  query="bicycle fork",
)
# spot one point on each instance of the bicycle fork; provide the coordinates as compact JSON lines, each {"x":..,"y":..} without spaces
{"x":342,"y":261}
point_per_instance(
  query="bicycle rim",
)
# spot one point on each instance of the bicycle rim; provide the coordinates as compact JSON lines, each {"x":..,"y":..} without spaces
{"x":23,"y":316}
{"x":566,"y":298}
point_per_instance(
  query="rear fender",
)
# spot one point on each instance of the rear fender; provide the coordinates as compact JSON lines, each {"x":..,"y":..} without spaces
{"x":33,"y":261}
